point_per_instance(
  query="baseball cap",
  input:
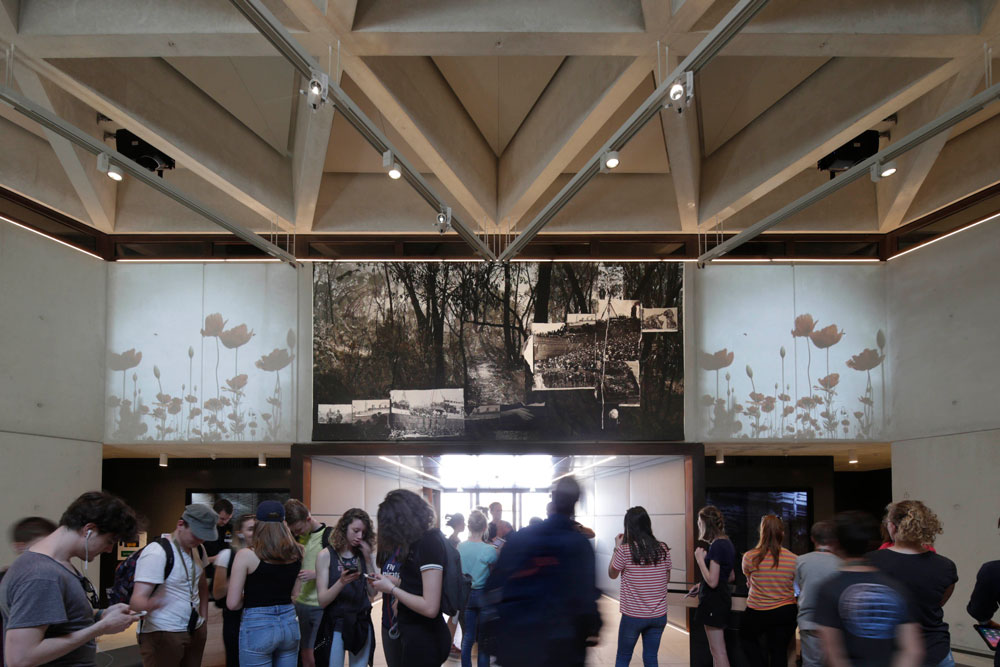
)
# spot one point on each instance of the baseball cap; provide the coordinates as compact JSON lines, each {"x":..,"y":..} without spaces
{"x":202,"y":519}
{"x":270,"y":510}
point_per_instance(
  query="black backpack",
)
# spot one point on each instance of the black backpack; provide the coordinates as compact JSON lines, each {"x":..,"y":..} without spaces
{"x":124,"y":581}
{"x":455,"y":585}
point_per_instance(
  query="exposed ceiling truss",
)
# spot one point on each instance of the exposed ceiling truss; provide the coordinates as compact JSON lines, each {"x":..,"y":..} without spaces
{"x":495,"y":111}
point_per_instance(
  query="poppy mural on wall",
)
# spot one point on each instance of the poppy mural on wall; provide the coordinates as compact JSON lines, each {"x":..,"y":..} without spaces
{"x":200,"y":353}
{"x":476,"y":351}
{"x":821,"y":376}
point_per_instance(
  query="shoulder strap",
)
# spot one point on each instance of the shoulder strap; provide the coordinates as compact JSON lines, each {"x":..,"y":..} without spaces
{"x":229,"y":566}
{"x":168,"y":550}
{"x":325,"y":540}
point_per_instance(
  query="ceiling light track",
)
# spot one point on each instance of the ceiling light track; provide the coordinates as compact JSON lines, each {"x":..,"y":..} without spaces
{"x":880,"y":162}
{"x":702,"y":54}
{"x":279,"y":37}
{"x":115,"y":159}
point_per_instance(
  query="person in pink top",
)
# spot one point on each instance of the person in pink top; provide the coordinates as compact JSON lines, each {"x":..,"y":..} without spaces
{"x":769,"y":621}
{"x":644,"y":565}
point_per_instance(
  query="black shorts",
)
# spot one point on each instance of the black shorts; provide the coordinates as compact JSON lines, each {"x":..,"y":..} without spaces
{"x":424,"y":644}
{"x":714,"y":608}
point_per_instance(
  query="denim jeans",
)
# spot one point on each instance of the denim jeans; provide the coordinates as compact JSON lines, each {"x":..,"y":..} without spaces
{"x":470,"y":631}
{"x":337,"y":650}
{"x":269,"y":637}
{"x":629,"y":630}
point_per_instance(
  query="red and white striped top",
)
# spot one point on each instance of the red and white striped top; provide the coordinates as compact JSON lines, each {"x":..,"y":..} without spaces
{"x":770,"y":587}
{"x":644,"y":587}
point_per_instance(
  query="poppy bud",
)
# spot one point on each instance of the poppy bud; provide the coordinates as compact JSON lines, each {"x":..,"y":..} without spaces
{"x":880,"y":338}
{"x":782,"y":351}
{"x":190,"y":352}
{"x":156,"y":372}
{"x":749,"y":372}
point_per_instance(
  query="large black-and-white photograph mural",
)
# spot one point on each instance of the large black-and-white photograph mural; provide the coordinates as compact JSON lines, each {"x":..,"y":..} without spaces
{"x":549,"y":350}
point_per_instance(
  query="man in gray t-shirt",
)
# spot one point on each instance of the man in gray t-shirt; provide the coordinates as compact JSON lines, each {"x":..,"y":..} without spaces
{"x":47,"y":605}
{"x":38,"y":592}
{"x":811,"y":571}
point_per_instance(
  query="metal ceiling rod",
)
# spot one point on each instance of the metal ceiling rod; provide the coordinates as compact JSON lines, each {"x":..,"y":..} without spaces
{"x":702,"y":54}
{"x":279,"y":37}
{"x":940,"y":124}
{"x":80,"y":138}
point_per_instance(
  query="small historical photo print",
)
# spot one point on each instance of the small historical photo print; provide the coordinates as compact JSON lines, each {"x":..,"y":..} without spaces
{"x":427,"y":413}
{"x":655,"y":320}
{"x":336,"y":413}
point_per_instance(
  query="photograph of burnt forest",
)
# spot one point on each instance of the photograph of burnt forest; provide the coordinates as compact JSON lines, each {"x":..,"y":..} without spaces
{"x":476,"y":351}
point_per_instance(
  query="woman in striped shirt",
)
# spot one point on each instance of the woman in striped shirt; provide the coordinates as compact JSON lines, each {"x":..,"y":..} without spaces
{"x":769,"y":621}
{"x":644,"y":565}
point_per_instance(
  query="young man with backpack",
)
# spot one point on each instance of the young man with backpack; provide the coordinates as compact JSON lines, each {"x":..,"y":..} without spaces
{"x":314,"y":537}
{"x":174,"y":631}
{"x":48,"y":606}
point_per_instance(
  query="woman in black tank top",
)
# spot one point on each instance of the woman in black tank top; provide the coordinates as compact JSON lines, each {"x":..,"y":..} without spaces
{"x":263,"y":583}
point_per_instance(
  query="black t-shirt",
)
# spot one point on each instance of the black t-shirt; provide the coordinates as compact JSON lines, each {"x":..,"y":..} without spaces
{"x":926,"y":576}
{"x":722,"y":552}
{"x":427,"y":553}
{"x":867,"y":607}
{"x":222,"y":542}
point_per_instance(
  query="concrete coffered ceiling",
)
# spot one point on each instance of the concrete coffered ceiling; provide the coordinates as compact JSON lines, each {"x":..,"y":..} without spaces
{"x":498,"y":104}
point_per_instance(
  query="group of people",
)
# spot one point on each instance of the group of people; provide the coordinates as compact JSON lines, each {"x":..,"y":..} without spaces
{"x":296,"y":590}
{"x":853,"y":604}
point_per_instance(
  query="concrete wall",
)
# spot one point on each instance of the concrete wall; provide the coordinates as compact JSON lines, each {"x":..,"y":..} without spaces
{"x":339,"y":486}
{"x":52,"y":301}
{"x":943,"y":314}
{"x":659,"y":486}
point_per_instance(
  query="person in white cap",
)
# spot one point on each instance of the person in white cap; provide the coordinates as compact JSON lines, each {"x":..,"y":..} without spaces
{"x":173,"y":634}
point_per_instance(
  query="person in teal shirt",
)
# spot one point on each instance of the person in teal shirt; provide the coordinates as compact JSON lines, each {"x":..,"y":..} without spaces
{"x":477,"y":561}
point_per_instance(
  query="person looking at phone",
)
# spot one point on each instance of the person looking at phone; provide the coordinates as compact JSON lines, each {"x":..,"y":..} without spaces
{"x":47,"y":605}
{"x":175,"y":631}
{"x":407,"y":526}
{"x":985,"y":599}
{"x":345,"y":592}
{"x":715,"y":600}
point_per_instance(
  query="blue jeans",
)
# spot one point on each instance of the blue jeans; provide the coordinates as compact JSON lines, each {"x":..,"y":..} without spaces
{"x":631,"y":627}
{"x":337,"y":650}
{"x":471,"y":630}
{"x":269,"y":637}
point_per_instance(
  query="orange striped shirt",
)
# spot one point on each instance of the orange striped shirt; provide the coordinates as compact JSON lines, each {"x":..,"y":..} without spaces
{"x":770,"y":587}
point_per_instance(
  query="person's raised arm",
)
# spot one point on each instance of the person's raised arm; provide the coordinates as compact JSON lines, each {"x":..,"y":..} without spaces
{"x":428,"y":604}
{"x":326,"y":590}
{"x":615,"y":565}
{"x":234,"y":596}
{"x":28,"y":647}
{"x":709,"y":571}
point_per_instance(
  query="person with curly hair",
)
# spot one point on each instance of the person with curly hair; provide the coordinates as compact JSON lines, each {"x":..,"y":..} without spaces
{"x":769,"y":622}
{"x":985,"y":598}
{"x":345,"y":592}
{"x":407,"y":523}
{"x":929,"y":577}
{"x":715,"y":600}
{"x":48,"y":607}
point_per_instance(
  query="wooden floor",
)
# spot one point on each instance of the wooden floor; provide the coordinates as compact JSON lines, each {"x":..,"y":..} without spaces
{"x":673,"y":647}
